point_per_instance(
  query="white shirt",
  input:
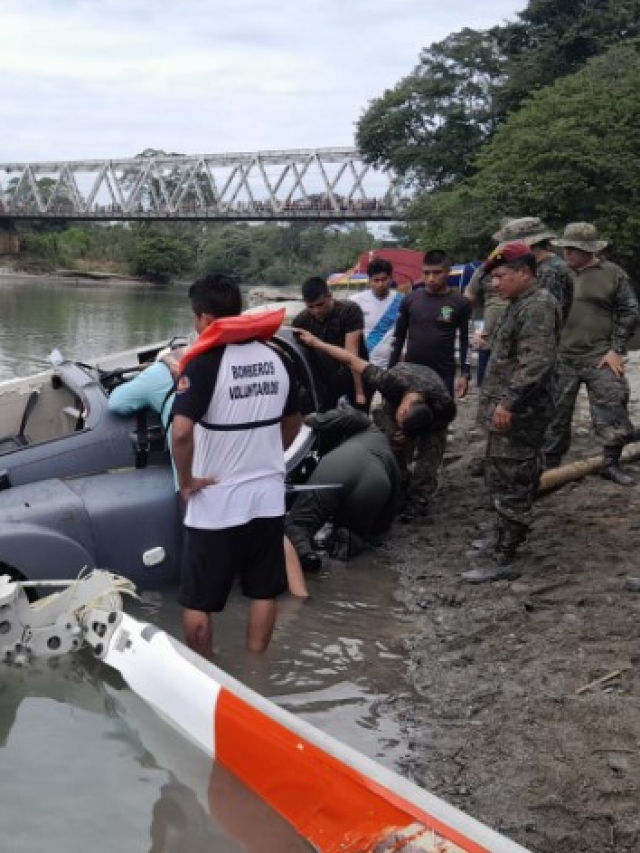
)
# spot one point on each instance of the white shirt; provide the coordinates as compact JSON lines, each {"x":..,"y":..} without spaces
{"x":374,"y":309}
{"x":251,"y":387}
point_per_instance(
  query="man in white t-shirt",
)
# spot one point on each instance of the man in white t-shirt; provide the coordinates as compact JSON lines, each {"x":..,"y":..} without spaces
{"x":235,"y":412}
{"x":379,"y":304}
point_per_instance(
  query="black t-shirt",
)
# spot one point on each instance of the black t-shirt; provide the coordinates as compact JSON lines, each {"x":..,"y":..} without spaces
{"x":332,"y":378}
{"x":429,"y":322}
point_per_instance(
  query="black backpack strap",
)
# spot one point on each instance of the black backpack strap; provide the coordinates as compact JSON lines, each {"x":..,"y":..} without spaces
{"x":235,"y":427}
{"x":142,"y":441}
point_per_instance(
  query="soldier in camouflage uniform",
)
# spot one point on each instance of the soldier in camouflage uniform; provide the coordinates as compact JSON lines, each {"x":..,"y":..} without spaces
{"x":418,"y":452}
{"x":516,"y":405}
{"x":416,"y":413}
{"x":592,"y":351}
{"x":552,"y":272}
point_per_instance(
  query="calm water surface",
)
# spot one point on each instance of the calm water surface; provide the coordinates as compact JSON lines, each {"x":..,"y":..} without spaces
{"x":84,"y":765}
{"x":82,"y":320}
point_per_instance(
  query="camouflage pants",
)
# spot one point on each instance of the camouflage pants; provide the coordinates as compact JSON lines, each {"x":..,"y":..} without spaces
{"x":608,"y":400}
{"x":419,"y":459}
{"x":512,"y":475}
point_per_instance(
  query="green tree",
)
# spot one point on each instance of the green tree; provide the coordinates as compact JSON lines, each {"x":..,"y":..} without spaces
{"x":429,"y":127}
{"x":160,"y":258}
{"x":552,"y":40}
{"x":571,"y":153}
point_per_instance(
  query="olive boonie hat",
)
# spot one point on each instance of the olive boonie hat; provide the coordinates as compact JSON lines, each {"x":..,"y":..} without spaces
{"x":581,"y":235}
{"x":506,"y":253}
{"x":528,"y":229}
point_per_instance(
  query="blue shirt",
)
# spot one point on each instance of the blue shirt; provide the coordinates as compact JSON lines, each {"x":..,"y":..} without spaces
{"x":148,"y":389}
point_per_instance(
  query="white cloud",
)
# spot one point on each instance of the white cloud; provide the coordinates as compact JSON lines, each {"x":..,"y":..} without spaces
{"x":108,"y":78}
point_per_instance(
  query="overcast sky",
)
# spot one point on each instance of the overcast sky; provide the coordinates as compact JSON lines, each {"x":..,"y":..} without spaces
{"x":88,"y":79}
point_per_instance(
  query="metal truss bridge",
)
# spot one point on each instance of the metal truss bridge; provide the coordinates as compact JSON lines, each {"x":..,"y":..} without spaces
{"x":324,"y":184}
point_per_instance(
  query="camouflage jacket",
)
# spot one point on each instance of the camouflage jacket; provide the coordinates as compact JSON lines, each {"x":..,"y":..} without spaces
{"x":404,"y":377}
{"x":554,"y":275}
{"x":520,"y":375}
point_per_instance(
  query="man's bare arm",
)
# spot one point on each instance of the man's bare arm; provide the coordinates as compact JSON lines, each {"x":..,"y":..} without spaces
{"x":182,"y":453}
{"x":352,"y":345}
{"x":289,"y":428}
{"x":353,"y":362}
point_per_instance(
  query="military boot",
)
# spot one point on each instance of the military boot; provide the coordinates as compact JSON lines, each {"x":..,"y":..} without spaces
{"x":612,"y":471}
{"x":489,"y":543}
{"x":502,"y":563}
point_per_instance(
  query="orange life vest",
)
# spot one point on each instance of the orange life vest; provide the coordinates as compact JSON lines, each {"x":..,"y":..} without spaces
{"x":235,"y":330}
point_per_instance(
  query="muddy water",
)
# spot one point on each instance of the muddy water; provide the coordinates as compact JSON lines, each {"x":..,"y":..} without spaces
{"x":84,"y":764}
{"x":335,"y":659}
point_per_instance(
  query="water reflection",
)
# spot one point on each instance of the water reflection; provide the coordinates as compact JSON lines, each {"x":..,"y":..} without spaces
{"x":82,"y":320}
{"x":86,"y":765}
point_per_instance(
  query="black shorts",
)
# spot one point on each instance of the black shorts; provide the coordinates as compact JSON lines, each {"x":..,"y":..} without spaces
{"x":213,"y":559}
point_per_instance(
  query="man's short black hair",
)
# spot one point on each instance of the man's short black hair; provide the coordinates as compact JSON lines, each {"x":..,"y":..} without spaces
{"x":217,"y":294}
{"x":315,"y":288}
{"x":436,"y":258}
{"x":419,"y":420}
{"x":379,"y":266}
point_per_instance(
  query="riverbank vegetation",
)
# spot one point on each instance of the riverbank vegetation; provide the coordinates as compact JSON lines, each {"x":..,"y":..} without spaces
{"x":257,"y":254}
{"x":537,"y":117}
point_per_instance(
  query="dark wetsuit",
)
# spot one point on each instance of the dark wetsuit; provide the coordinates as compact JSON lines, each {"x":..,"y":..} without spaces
{"x":359,"y":458}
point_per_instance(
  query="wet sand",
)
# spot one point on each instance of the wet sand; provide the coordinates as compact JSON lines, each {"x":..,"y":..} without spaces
{"x":511,"y":731}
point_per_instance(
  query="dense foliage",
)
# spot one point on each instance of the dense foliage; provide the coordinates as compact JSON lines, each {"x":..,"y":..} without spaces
{"x":571,"y":152}
{"x":256,"y":254}
{"x":538,"y":116}
{"x":429,"y":126}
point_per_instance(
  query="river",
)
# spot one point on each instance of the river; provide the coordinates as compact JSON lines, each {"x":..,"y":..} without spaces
{"x":85,"y":765}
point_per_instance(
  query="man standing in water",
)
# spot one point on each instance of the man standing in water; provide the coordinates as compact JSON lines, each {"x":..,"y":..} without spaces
{"x":235,"y":412}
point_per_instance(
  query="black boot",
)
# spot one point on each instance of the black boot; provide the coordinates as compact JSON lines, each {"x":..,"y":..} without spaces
{"x":302,"y":541}
{"x":500,"y":564}
{"x":612,"y":471}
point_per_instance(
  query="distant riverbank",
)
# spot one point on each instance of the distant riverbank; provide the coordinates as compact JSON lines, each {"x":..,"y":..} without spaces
{"x":11,"y":276}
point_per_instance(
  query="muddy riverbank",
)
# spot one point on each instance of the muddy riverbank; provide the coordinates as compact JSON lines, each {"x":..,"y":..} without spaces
{"x":510,"y":729}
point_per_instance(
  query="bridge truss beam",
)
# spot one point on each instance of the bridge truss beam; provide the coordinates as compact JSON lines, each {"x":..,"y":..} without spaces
{"x":324,"y":184}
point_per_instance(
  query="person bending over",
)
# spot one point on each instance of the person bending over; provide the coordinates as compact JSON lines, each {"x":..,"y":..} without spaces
{"x":356,"y":456}
{"x":417,"y":409}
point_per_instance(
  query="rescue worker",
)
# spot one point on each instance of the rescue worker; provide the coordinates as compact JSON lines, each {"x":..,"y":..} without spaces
{"x":416,"y":412}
